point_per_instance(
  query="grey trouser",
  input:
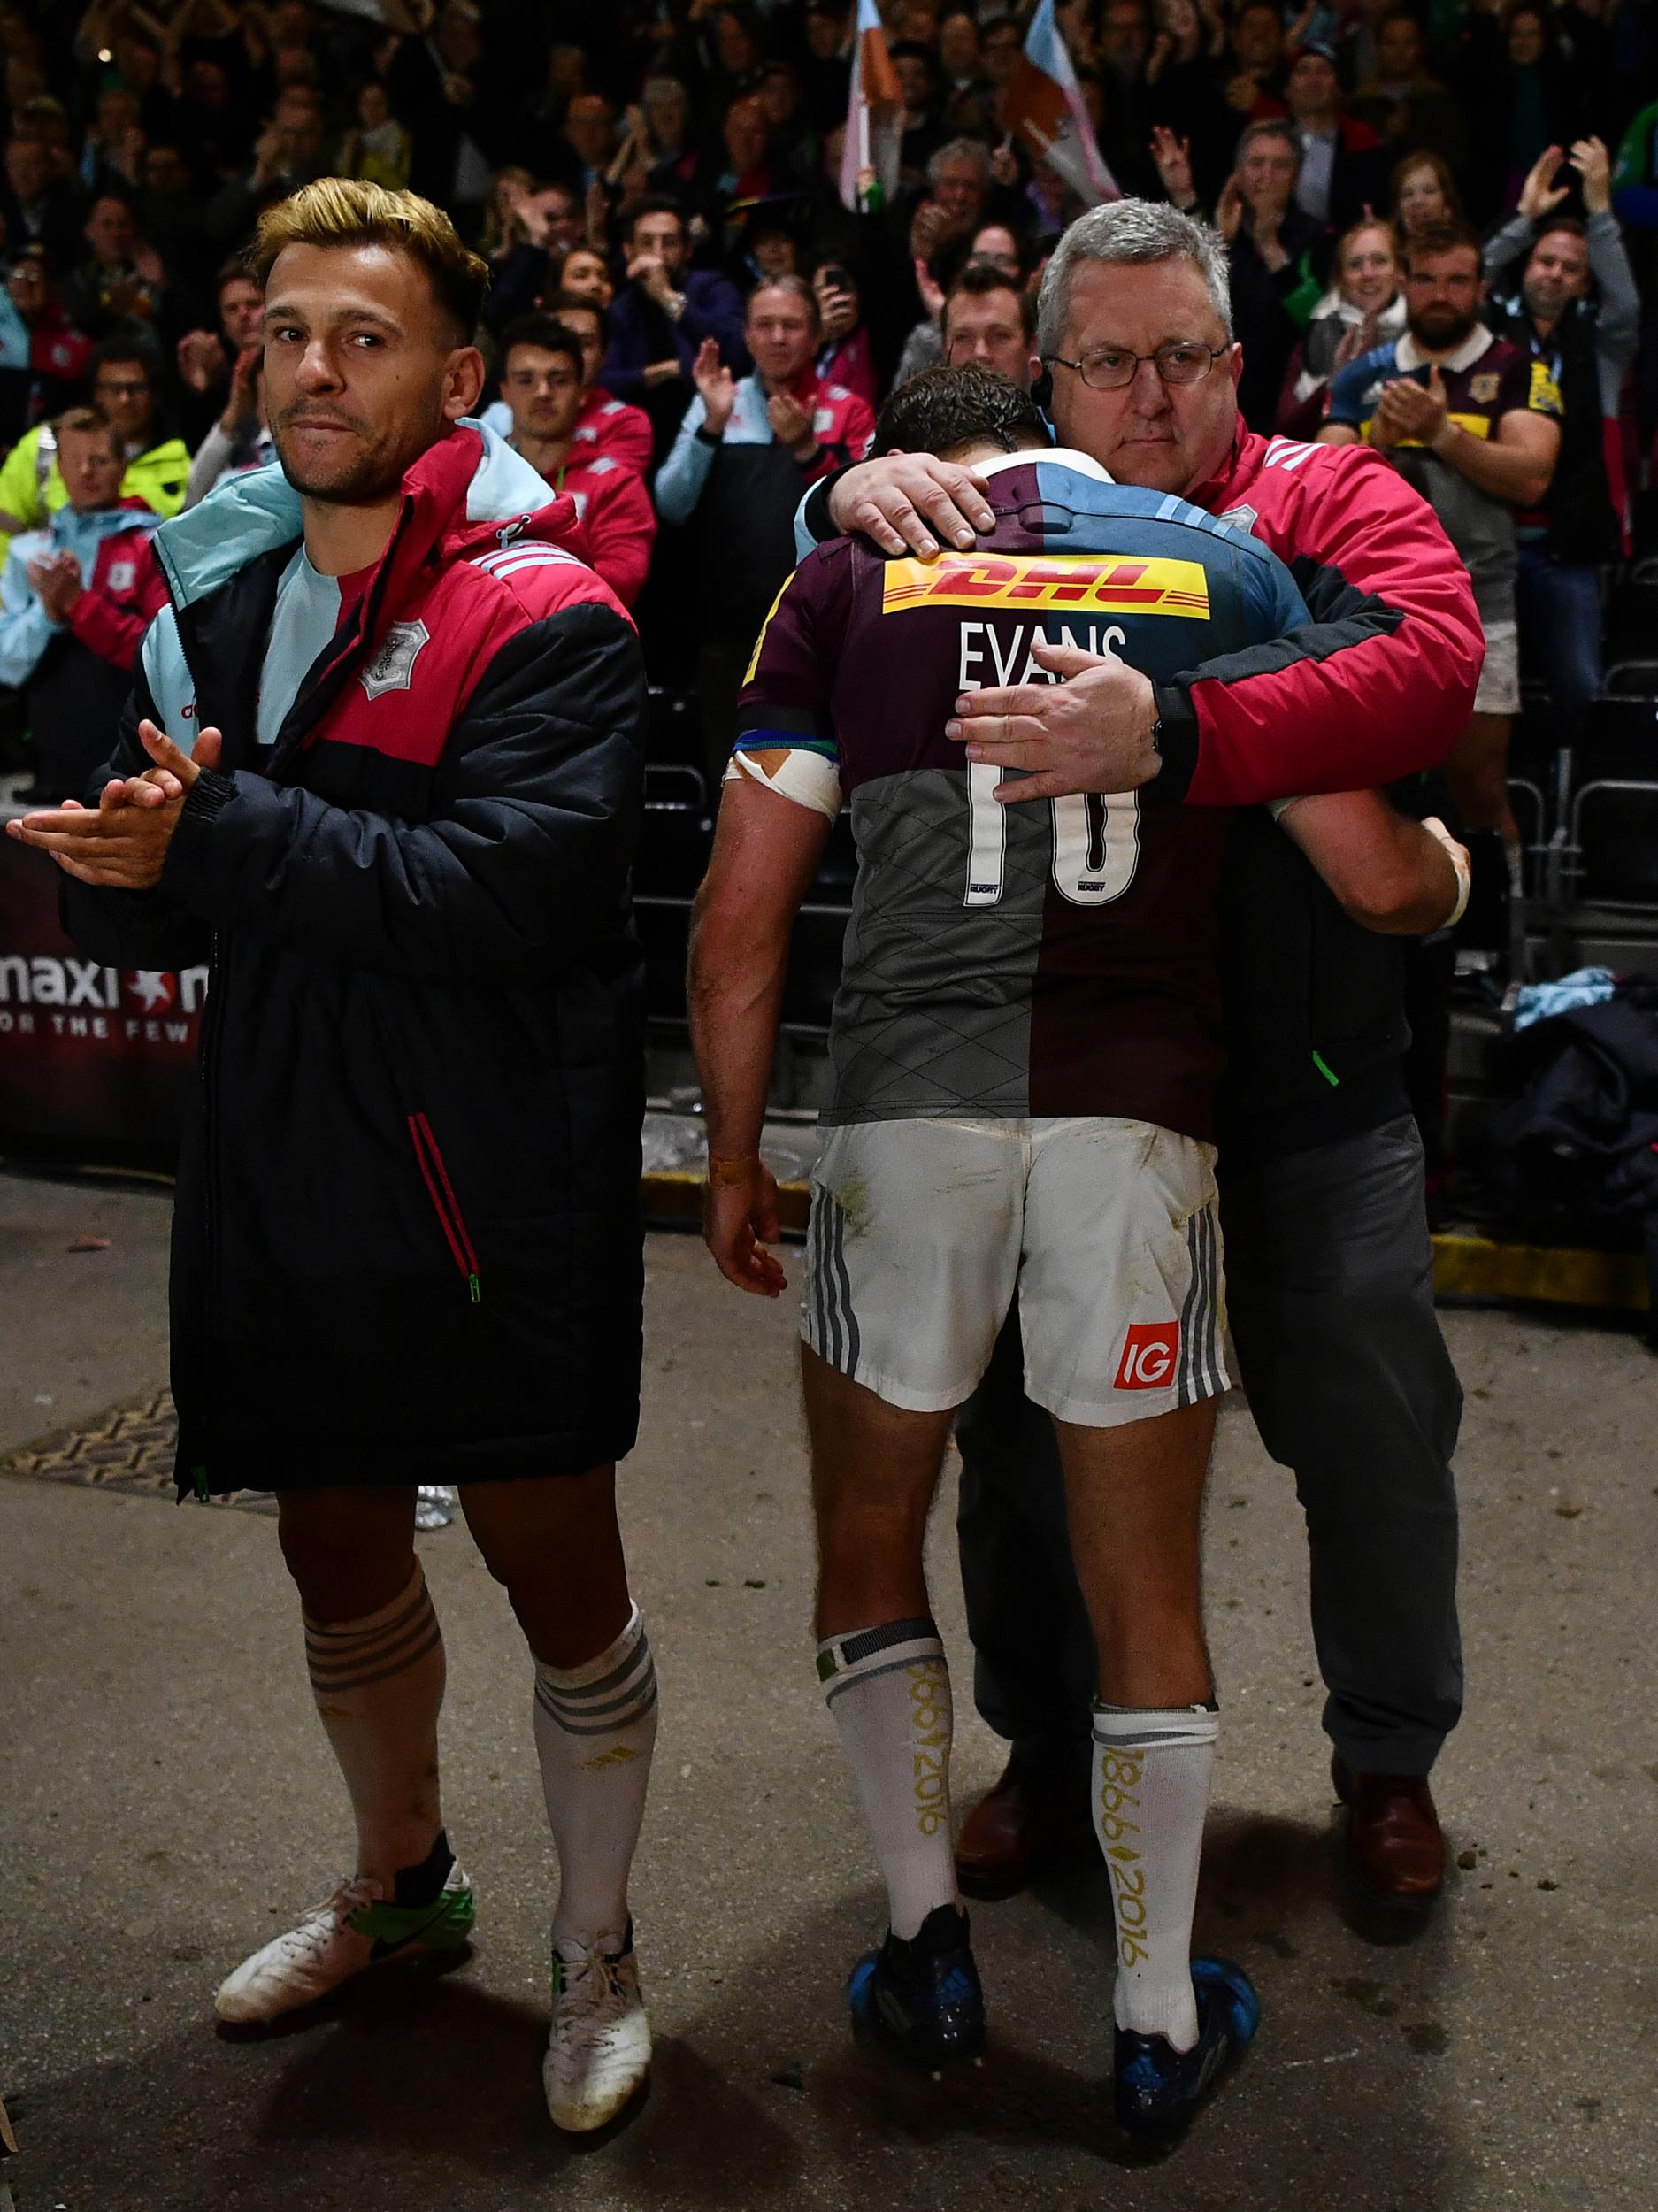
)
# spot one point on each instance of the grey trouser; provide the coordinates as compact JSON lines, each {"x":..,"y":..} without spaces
{"x":1330,"y":1291}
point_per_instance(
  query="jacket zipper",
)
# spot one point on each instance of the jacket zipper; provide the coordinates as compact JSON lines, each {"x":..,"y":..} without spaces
{"x":444,"y":1203}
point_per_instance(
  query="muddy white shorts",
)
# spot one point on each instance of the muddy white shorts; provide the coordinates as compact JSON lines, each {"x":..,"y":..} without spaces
{"x":922,"y":1231}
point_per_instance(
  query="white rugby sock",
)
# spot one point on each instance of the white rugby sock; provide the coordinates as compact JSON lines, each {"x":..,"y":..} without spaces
{"x":889,"y":1691}
{"x":595,"y":1727}
{"x":1151,"y":1777}
{"x":378,"y":1684}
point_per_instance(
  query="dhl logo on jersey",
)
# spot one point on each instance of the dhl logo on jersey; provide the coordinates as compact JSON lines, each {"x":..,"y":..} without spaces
{"x":1110,"y":583}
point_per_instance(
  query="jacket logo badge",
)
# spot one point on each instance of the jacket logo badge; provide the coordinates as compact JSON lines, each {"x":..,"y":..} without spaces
{"x":1240,"y":518}
{"x":123,"y":575}
{"x":392,"y":668}
{"x":1484,"y":389}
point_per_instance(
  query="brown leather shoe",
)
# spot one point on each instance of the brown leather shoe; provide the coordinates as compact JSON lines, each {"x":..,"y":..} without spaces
{"x":1034,"y":1821}
{"x":1391,"y":1847}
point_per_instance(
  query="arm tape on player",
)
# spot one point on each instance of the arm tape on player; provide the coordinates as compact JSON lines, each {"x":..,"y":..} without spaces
{"x":805,"y":777}
{"x":1458,"y":855}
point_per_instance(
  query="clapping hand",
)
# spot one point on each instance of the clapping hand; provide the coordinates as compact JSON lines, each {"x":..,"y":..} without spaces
{"x":122,"y":842}
{"x":717,"y":386}
{"x":1413,"y":411}
{"x":1540,"y":195}
{"x":1229,"y":212}
{"x":1593,"y":164}
{"x":791,"y":424}
{"x":57,"y":584}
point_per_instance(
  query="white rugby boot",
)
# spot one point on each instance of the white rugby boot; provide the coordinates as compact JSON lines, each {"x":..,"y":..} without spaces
{"x":355,"y":1929}
{"x":598,"y":2052}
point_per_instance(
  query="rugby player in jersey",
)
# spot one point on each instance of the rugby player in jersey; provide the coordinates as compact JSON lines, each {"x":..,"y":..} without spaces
{"x":1024,"y":1050}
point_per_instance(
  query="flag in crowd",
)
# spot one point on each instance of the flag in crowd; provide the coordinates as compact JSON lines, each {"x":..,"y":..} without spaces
{"x":1044,"y":109}
{"x":874,"y":116}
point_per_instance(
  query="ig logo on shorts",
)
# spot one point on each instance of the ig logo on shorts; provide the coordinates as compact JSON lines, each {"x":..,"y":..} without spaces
{"x":1150,"y":1351}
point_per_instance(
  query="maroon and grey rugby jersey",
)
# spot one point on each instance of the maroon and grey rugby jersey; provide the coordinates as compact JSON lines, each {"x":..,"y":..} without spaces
{"x":1043,"y":958}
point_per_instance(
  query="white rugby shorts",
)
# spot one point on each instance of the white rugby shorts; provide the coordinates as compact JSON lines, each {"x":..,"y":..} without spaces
{"x":921,"y":1232}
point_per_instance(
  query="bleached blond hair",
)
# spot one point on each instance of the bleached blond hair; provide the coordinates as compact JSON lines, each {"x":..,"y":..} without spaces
{"x":347,"y":212}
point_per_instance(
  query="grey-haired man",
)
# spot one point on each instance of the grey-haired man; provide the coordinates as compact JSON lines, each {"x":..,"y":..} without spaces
{"x":1328,"y":1260}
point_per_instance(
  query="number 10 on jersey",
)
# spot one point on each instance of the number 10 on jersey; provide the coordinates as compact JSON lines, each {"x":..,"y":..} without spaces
{"x":1096,"y":843}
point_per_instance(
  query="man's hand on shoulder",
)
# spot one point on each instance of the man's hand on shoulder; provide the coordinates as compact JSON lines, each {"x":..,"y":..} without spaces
{"x":909,"y":502}
{"x":1091,"y":731}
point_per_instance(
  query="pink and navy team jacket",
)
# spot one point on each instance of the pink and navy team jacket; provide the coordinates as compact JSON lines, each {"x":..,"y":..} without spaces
{"x":614,"y":429}
{"x":406,"y":1244}
{"x":616,"y":514}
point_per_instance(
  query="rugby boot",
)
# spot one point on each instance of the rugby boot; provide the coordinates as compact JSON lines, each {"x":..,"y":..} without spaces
{"x":1159,"y":2090}
{"x":598,"y":2049}
{"x":921,"y":1997}
{"x":355,"y":1929}
{"x":1035,"y":1820}
{"x":1390,"y":1844}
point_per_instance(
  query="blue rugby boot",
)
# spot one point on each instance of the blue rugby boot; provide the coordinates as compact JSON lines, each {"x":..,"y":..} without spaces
{"x":1158,"y":2088}
{"x":922,"y":1997}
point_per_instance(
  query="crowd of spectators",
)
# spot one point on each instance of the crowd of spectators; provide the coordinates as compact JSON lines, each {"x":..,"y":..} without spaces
{"x":686,"y":326}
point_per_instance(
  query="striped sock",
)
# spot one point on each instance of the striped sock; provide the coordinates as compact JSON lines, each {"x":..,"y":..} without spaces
{"x":1151,"y":1776}
{"x":595,"y":1726}
{"x":889,"y":1691}
{"x":378,"y":1684}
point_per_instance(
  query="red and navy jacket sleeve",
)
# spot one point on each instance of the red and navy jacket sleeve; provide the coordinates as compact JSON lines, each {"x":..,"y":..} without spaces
{"x":621,"y":526}
{"x":1379,"y":684}
{"x":112,"y":624}
{"x":525,"y":862}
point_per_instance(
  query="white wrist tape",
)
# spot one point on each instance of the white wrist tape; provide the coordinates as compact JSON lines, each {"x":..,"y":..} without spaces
{"x":793,"y":773}
{"x":1459,"y":861}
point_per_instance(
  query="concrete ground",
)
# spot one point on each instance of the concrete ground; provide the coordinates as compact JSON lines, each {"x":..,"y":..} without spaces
{"x":168,"y":1802}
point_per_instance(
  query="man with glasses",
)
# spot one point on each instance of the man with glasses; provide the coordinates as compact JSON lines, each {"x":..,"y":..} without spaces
{"x":124,"y":390}
{"x":1329,"y":1267}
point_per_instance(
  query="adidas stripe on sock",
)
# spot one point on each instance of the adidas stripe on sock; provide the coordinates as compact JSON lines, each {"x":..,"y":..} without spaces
{"x":595,"y":1727}
{"x":378,"y":1684}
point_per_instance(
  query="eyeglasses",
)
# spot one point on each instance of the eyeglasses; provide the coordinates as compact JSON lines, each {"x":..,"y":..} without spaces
{"x":1182,"y":361}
